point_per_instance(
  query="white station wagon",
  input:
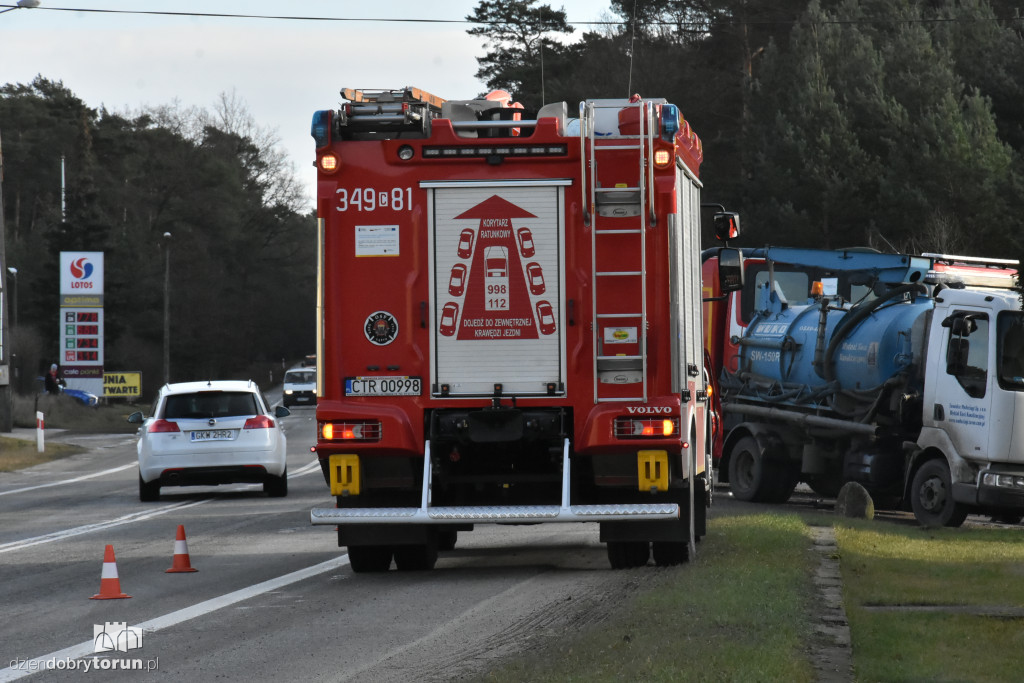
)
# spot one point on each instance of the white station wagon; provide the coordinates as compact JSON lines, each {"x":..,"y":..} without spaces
{"x":209,"y":433}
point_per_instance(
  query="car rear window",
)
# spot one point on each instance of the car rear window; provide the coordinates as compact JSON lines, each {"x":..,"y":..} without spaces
{"x":210,"y":404}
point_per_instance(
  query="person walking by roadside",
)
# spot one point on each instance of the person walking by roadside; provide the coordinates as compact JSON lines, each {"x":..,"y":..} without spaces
{"x":53,"y":381}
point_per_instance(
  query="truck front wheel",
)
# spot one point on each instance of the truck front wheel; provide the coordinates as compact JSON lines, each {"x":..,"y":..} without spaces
{"x":931,"y":495}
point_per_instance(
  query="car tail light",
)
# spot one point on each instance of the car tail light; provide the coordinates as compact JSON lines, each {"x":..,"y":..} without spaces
{"x":649,"y":428}
{"x":160,"y":426}
{"x":258,"y":422}
{"x":368,"y":430}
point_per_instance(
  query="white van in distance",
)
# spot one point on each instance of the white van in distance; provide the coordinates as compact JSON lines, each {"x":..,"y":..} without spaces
{"x":299,"y":387}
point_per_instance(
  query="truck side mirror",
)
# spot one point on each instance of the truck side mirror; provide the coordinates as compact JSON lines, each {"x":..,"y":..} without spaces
{"x":956,"y":356}
{"x":727,"y":225}
{"x":960,"y":325}
{"x":730,"y":270}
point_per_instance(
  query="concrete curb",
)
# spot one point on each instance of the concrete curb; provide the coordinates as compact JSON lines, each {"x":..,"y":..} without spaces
{"x":831,"y":651}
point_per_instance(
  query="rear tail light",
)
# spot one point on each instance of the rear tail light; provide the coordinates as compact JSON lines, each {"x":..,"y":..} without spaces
{"x":161,"y":426}
{"x":258,"y":422}
{"x":368,"y":430}
{"x":645,"y":428}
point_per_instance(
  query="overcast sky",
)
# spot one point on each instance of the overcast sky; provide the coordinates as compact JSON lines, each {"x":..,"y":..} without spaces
{"x":283,"y":69}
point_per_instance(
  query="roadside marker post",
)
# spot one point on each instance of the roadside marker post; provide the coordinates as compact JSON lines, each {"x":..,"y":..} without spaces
{"x":39,"y":431}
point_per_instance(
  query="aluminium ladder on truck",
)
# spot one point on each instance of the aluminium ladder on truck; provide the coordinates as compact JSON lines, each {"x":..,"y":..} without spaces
{"x":618,"y":216}
{"x":375,"y":111}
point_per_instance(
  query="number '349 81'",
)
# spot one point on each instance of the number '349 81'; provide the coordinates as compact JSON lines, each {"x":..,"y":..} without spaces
{"x":372,"y":199}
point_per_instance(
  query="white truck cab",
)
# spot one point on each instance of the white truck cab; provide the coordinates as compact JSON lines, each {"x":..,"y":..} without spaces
{"x":972,"y":400}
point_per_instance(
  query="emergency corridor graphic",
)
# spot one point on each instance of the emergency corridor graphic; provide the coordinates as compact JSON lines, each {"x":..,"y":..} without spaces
{"x":497,"y":278}
{"x":492,"y":283}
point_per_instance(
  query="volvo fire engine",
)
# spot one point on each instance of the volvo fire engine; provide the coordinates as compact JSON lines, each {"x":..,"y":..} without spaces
{"x":509,"y":324}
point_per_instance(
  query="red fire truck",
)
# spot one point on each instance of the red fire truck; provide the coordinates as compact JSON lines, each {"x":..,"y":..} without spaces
{"x":509,"y":318}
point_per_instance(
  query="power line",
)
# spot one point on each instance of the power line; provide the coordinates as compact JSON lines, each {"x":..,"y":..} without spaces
{"x":704,"y":25}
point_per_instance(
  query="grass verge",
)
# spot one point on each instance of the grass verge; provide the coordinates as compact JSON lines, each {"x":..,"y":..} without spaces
{"x":738,"y":613}
{"x":933,"y":604}
{"x":16,"y":454}
{"x":922,"y":604}
{"x":64,"y":412}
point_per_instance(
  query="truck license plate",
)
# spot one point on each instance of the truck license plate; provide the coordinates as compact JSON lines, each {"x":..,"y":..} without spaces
{"x":213,"y":435}
{"x":383,"y":386}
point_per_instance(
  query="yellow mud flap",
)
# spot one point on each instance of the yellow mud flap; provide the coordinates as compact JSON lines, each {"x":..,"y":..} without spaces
{"x":652,"y":470}
{"x":344,"y":470}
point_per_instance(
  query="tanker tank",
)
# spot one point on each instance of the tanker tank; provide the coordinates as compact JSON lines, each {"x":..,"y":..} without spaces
{"x":876,"y":341}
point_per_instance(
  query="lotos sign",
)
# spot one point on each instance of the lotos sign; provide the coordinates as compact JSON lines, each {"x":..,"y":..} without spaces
{"x":81,"y":272}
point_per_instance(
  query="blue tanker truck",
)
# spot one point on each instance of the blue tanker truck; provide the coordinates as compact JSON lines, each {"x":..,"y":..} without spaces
{"x":903,"y":373}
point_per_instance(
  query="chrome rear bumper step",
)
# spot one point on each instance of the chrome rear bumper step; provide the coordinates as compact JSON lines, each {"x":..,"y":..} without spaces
{"x":497,"y":514}
{"x":513,"y":514}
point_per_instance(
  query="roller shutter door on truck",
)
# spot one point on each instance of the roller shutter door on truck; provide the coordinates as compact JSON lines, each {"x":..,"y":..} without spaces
{"x":497,"y":256}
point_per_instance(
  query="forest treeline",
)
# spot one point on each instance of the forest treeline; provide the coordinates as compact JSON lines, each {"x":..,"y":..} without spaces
{"x":241,"y":243}
{"x":893,"y":124}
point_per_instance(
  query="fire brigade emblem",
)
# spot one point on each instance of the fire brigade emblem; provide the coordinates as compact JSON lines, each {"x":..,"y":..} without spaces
{"x":381,"y":328}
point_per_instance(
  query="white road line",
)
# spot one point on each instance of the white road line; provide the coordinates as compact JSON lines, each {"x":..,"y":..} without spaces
{"x":305,"y":469}
{"x":98,"y":526}
{"x":174,"y":618}
{"x":70,"y":481}
{"x":118,"y":521}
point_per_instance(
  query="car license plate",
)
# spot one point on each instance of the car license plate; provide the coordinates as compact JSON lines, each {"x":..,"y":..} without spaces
{"x":213,"y":435}
{"x":383,"y":386}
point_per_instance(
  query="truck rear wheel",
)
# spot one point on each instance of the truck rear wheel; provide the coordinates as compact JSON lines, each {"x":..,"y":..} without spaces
{"x":758,"y":479}
{"x":931,"y":495}
{"x":415,"y":557}
{"x":745,"y":469}
{"x":369,"y":558}
{"x":628,"y":554}
{"x":670,"y":553}
{"x":446,"y":539}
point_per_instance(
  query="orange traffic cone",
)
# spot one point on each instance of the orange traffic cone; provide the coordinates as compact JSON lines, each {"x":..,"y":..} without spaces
{"x":110,"y":585}
{"x":181,"y":561}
